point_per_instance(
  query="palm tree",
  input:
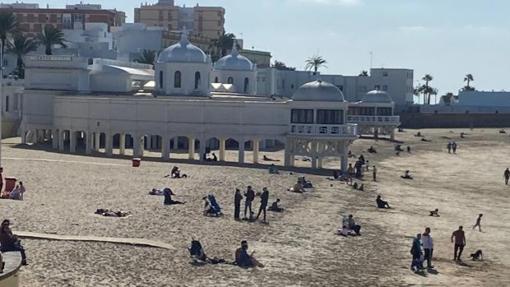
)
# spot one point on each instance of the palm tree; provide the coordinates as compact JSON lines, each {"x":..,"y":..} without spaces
{"x":147,"y":57}
{"x":51,"y":36}
{"x":363,"y":74}
{"x":315,"y":63}
{"x":21,"y":46}
{"x":469,"y":78}
{"x":7,"y":27}
{"x":427,"y":90}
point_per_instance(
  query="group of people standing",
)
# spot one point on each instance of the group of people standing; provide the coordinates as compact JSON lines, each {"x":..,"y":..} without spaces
{"x":249,"y":197}
{"x":452,"y":147}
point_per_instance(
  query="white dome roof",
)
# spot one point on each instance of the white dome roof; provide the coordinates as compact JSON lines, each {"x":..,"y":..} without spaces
{"x":183,"y":52}
{"x":376,"y":96}
{"x":318,"y":91}
{"x":234,"y":61}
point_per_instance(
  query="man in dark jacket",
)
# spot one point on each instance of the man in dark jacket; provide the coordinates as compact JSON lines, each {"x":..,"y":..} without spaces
{"x":416,"y":264}
{"x":264,"y":198}
{"x":250,"y":196}
{"x":237,"y":204}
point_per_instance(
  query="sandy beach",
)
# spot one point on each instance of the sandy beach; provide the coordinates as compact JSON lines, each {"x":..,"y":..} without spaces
{"x":298,"y":247}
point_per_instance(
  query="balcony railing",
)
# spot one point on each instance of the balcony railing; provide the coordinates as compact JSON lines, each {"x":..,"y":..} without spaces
{"x":346,"y":130}
{"x":374,"y":119}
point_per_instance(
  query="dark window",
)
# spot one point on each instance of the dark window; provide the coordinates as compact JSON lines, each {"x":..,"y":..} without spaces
{"x":230,"y":80}
{"x":301,"y":116}
{"x":216,"y":80}
{"x":177,"y":79}
{"x":161,"y":79}
{"x":246,"y":84}
{"x":362,"y":111}
{"x":384,"y":111}
{"x":7,"y":103}
{"x":377,"y":87}
{"x":197,"y":80}
{"x":330,"y":117}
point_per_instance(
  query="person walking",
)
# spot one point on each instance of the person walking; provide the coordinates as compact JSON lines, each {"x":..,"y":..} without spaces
{"x":374,"y":173}
{"x":507,"y":175}
{"x":449,"y":147}
{"x":478,"y":222}
{"x":428,"y":247}
{"x":249,"y":197}
{"x":416,"y":252}
{"x":237,"y":204}
{"x":460,"y":243}
{"x":454,"y":147}
{"x":264,"y":198}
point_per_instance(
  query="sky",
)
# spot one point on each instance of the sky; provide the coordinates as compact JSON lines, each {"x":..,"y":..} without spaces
{"x":445,"y":38}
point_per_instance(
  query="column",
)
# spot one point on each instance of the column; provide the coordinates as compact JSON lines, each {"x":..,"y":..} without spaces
{"x":319,"y":162}
{"x":56,"y":135}
{"x":136,"y":145}
{"x":36,"y":138}
{"x":289,"y":157}
{"x":191,"y":148}
{"x":392,"y":135}
{"x":165,"y":147}
{"x":255,"y":145}
{"x":222,"y":149}
{"x":88,"y":142}
{"x":344,"y":159}
{"x":315,"y":146}
{"x":72,"y":141}
{"x":23,"y":136}
{"x":314,"y":162}
{"x":97,"y":141}
{"x":149,"y":142}
{"x":122,"y":144}
{"x":61,"y":137}
{"x":202,"y":149}
{"x":141,"y":150}
{"x":241,"y":151}
{"x":108,"y":144}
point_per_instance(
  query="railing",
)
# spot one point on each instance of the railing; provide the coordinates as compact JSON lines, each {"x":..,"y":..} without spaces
{"x":346,"y":130}
{"x":374,"y":119}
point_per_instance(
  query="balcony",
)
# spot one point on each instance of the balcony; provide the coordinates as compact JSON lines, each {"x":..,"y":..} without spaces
{"x":329,"y":131}
{"x":374,"y":120}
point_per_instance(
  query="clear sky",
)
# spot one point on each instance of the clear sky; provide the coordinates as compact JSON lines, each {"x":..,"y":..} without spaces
{"x":445,"y":38}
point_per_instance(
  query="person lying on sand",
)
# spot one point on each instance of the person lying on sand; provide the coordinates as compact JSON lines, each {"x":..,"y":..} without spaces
{"x":265,"y":158}
{"x":245,"y":260}
{"x":275,"y":207}
{"x":426,"y":140}
{"x":435,"y":212}
{"x":167,"y":192}
{"x":418,"y":135}
{"x":360,"y":187}
{"x":381,"y":203}
{"x":111,"y":213}
{"x":198,"y":255}
{"x":407,"y":175}
{"x":156,"y":191}
{"x":371,"y":150}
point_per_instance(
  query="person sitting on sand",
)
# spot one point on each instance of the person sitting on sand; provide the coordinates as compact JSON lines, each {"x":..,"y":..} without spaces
{"x":16,"y":194}
{"x":198,"y":255}
{"x":245,"y":260}
{"x":344,"y":231}
{"x":305,"y":183}
{"x":167,"y":192}
{"x":381,"y":203}
{"x":298,"y":188}
{"x":275,"y":206}
{"x":434,"y":212}
{"x":372,"y":150}
{"x":407,"y":175}
{"x":156,"y":191}
{"x":351,"y":224}
{"x":176,"y":173}
{"x":10,"y":242}
{"x":215,"y":207}
{"x":273,"y":169}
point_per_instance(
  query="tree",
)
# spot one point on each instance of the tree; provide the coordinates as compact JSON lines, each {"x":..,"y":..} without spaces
{"x":363,"y":74}
{"x":315,"y":63}
{"x":147,"y":57}
{"x":469,"y":78}
{"x":282,"y":67}
{"x":219,"y":47}
{"x":51,"y":36}
{"x":426,"y":90}
{"x":20,"y":46}
{"x":7,"y":28}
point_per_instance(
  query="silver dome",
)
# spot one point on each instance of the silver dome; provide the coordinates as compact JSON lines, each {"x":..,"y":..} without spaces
{"x":234,"y":61}
{"x":181,"y":52}
{"x":376,"y":96}
{"x":318,"y":91}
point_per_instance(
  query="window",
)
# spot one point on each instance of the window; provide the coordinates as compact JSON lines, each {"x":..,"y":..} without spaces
{"x":230,"y":80}
{"x":385,"y":74}
{"x":362,"y":111}
{"x":197,"y":80}
{"x":384,"y":111}
{"x":161,"y":79}
{"x":330,"y":117}
{"x":177,"y":79}
{"x":216,"y":80}
{"x":377,"y":87}
{"x":301,"y":116}
{"x":246,"y":84}
{"x":6,"y":103}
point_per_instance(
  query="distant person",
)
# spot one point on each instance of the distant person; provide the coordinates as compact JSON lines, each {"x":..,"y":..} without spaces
{"x":350,"y":170}
{"x":273,"y":169}
{"x":374,"y":173}
{"x":416,"y":264}
{"x":167,"y":193}
{"x":507,"y":175}
{"x":237,"y":204}
{"x":407,"y":175}
{"x":449,"y":147}
{"x":435,"y":212}
{"x":428,"y":247}
{"x":176,"y":173}
{"x":275,"y":207}
{"x":409,"y":149}
{"x":264,"y":198}
{"x":351,"y":224}
{"x":381,"y":203}
{"x":478,"y":223}
{"x":460,"y":243}
{"x":245,"y":260}
{"x":9,"y":241}
{"x":249,"y":196}
{"x":371,"y":149}
{"x":478,"y":255}
{"x":454,"y":147}
{"x":214,"y":157}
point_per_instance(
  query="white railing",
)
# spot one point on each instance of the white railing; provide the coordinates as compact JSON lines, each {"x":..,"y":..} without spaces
{"x":374,"y":119}
{"x":346,"y":130}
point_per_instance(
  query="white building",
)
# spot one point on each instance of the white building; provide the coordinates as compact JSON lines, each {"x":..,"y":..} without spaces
{"x":82,"y":108}
{"x":131,"y":39}
{"x":472,"y":102}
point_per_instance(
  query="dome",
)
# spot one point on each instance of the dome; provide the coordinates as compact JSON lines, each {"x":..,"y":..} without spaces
{"x":318,"y":91}
{"x":234,"y":61}
{"x":181,"y":52}
{"x":376,"y":96}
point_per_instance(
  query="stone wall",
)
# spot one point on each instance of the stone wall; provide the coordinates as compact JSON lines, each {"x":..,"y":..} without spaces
{"x":420,"y":120}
